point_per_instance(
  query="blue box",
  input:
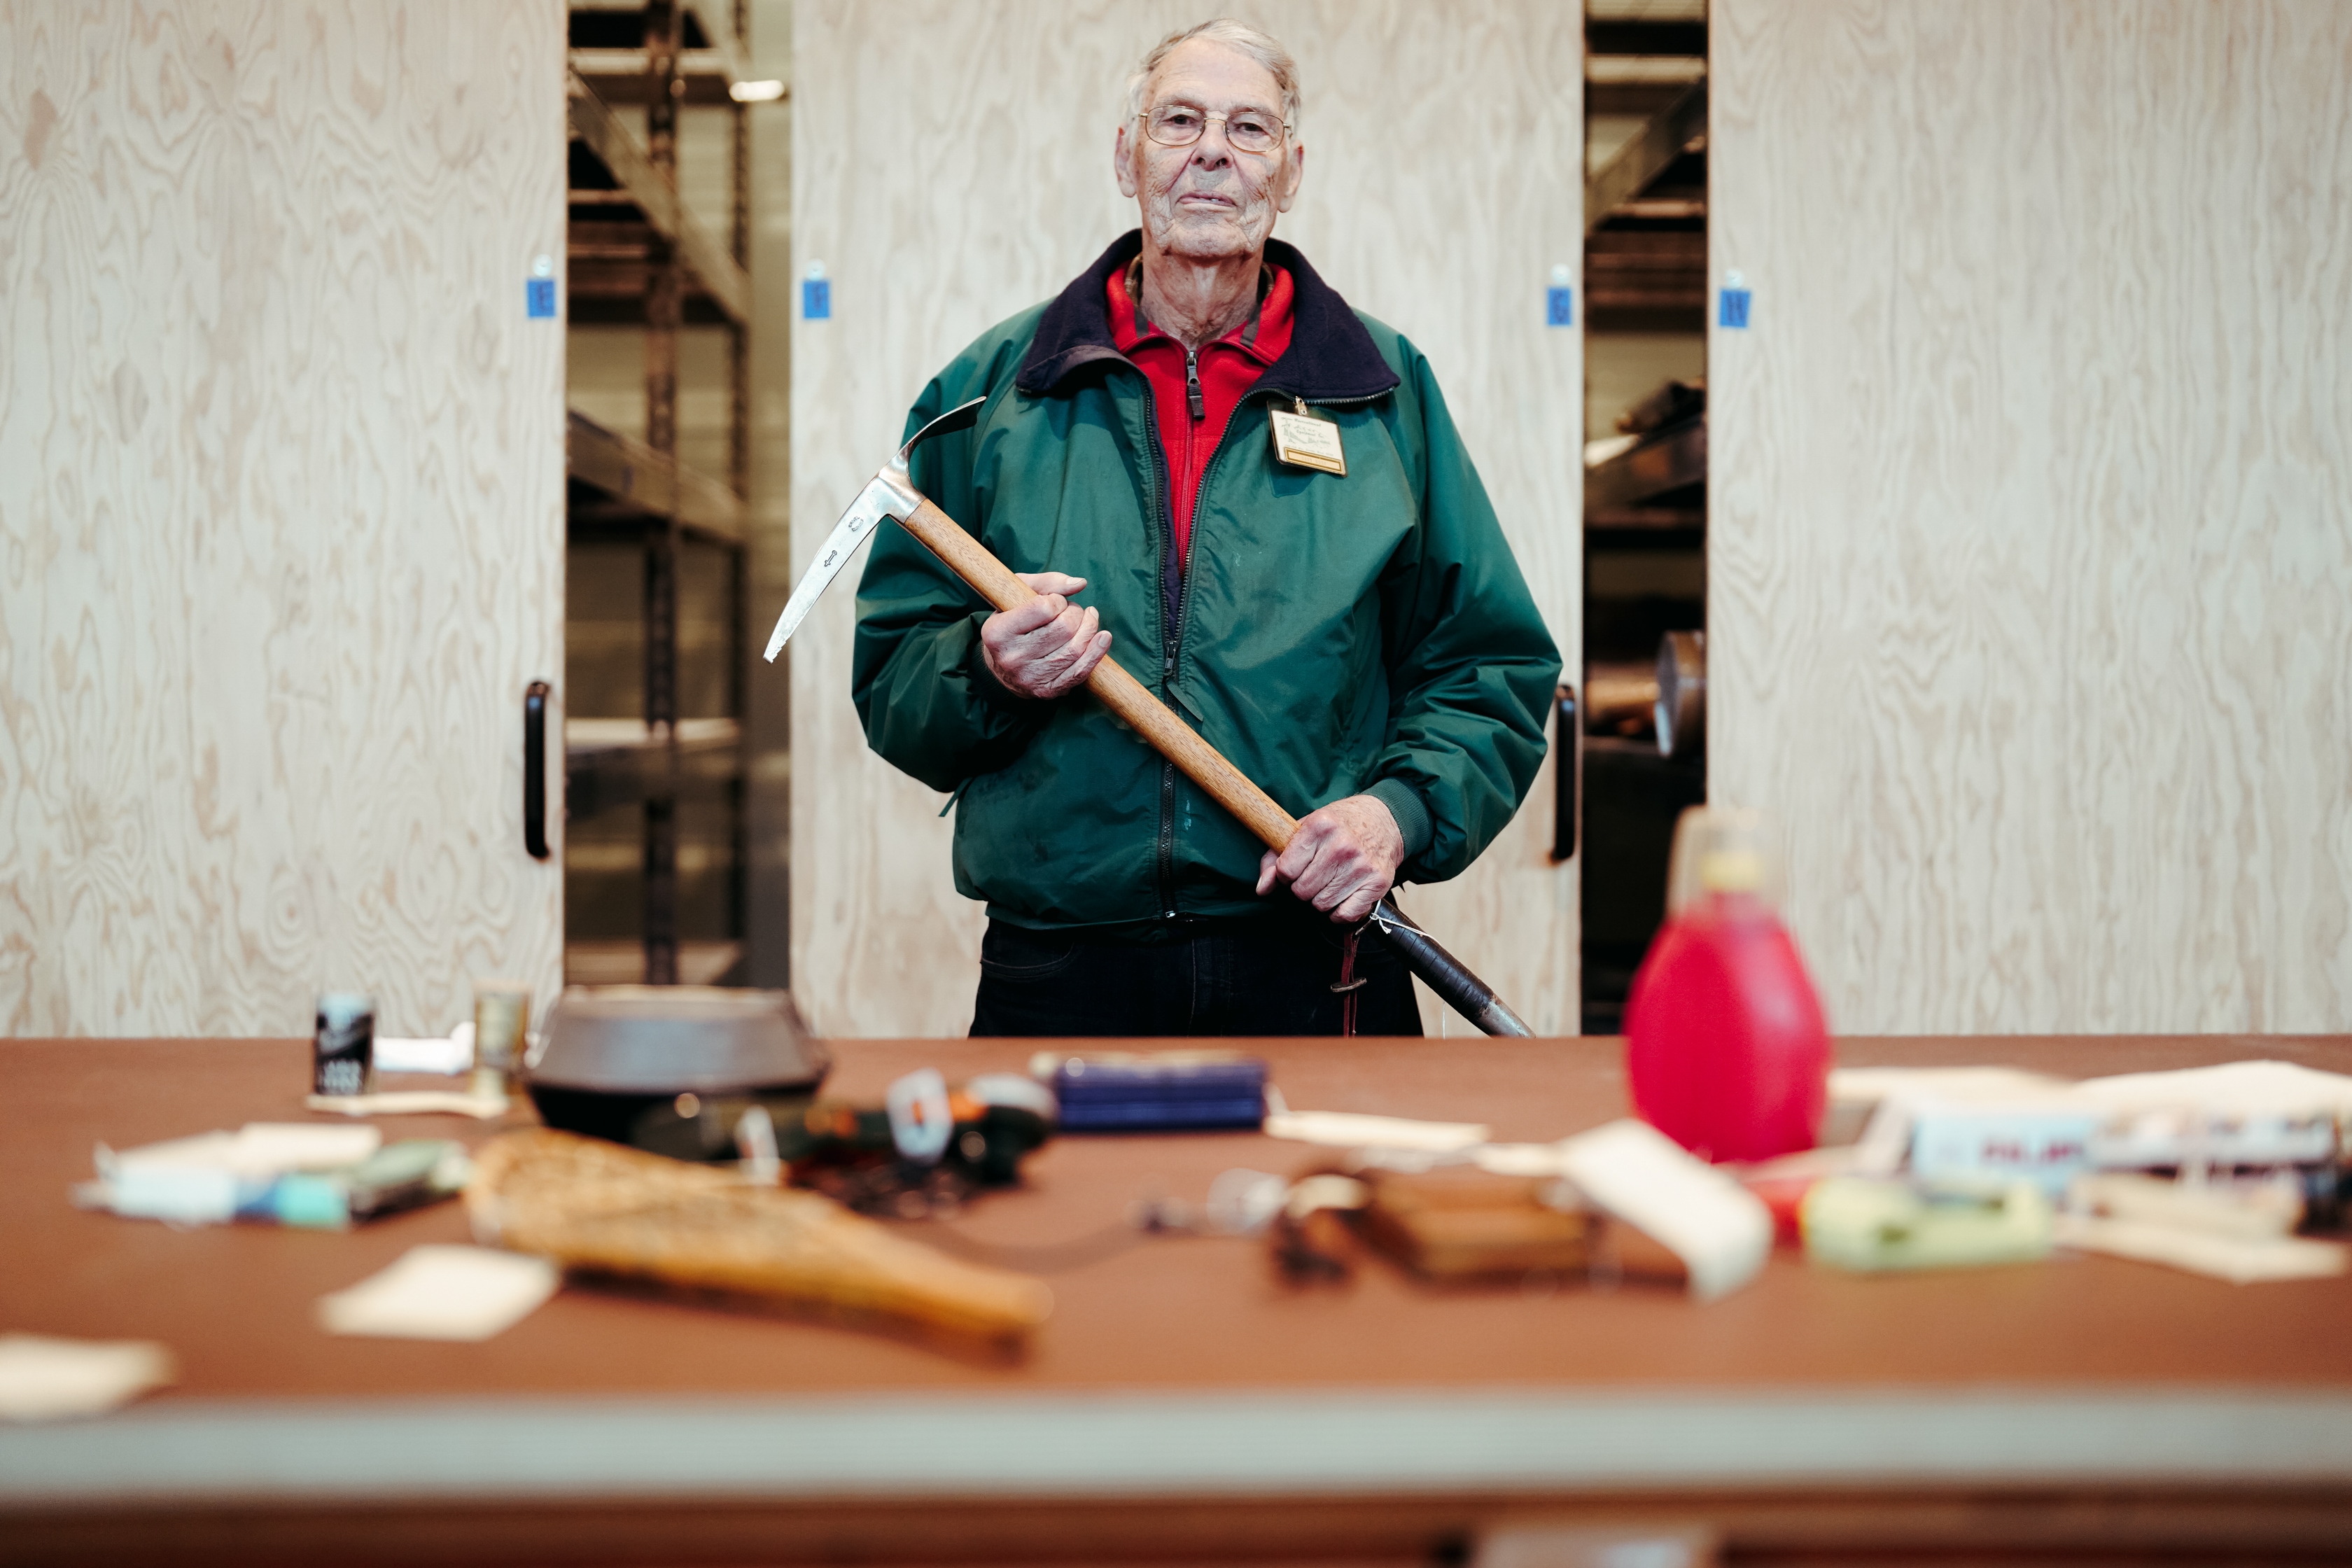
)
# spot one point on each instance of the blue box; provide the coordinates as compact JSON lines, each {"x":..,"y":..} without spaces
{"x":1188,"y":1091}
{"x":1733,"y":311}
{"x":539,"y":298}
{"x":1559,"y":307}
{"x":816,"y":300}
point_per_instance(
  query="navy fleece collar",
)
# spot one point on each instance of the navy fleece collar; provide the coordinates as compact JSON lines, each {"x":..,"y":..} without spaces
{"x":1330,"y":358}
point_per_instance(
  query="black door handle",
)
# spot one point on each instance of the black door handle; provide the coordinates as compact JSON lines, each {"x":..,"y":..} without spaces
{"x":1570,"y":747}
{"x":534,"y":769}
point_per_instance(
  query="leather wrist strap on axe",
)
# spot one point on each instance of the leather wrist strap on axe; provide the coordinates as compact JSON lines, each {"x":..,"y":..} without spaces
{"x":890,"y":494}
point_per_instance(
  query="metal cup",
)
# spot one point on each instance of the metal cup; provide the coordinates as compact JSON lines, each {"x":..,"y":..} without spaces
{"x":501,"y":1016}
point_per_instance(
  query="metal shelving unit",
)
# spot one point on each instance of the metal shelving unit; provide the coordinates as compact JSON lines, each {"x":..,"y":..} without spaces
{"x":638,"y":257}
{"x":1645,"y":501}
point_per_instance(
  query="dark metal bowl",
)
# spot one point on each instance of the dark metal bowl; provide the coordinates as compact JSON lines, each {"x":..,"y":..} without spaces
{"x":611,"y":1053}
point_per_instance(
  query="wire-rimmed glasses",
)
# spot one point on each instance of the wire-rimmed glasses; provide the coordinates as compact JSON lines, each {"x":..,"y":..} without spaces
{"x":1182,"y":124}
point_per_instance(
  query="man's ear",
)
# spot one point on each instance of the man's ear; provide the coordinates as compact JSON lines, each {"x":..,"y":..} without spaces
{"x":1122,"y":159}
{"x":1295,"y":169}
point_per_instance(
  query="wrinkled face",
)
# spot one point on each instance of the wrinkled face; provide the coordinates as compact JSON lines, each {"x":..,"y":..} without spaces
{"x":1210,"y":200}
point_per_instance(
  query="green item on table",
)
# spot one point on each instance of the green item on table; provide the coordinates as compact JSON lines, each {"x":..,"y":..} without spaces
{"x":399,"y":1176}
{"x":1872,"y":1225}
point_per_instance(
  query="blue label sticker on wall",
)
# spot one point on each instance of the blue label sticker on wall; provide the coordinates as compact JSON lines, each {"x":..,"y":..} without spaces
{"x":1559,"y":307}
{"x":816,"y":298}
{"x":539,"y":297}
{"x":1733,"y":313}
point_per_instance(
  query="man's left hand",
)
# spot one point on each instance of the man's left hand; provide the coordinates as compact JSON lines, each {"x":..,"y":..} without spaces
{"x":1342,"y":860}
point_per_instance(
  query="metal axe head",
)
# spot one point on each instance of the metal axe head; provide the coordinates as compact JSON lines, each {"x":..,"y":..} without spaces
{"x":886,"y":495}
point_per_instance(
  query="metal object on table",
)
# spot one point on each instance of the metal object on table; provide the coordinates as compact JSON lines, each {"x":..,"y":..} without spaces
{"x":612,"y":1053}
{"x":891,"y":494}
{"x":1681,"y":694}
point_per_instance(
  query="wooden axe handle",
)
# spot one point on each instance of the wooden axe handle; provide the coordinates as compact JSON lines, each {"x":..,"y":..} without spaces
{"x":1120,"y":692}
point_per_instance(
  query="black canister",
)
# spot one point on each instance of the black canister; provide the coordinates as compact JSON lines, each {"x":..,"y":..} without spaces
{"x":343,"y":1051}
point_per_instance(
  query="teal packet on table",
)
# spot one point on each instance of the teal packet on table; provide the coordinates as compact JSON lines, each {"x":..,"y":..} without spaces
{"x":406,"y":1174}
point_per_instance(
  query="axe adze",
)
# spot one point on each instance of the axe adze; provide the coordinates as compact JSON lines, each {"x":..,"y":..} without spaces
{"x":890,"y":494}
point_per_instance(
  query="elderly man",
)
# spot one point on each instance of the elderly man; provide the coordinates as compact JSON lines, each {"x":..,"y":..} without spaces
{"x":1200,"y":457}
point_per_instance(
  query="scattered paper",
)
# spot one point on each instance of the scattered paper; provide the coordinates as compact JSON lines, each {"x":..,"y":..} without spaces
{"x":442,"y":1293}
{"x":453,"y":1054}
{"x":1630,"y":1170}
{"x":2241,"y":1261}
{"x":2256,"y":1088}
{"x":1962,"y":1086}
{"x":257,"y":1149}
{"x":2252,"y":1210}
{"x":203,"y":1180}
{"x":1519,"y":1159}
{"x":1346,"y":1130}
{"x":44,"y":1379}
{"x":412,"y":1102}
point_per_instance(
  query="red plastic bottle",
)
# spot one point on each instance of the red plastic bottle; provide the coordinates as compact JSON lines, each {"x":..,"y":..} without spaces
{"x":1726,"y":1050}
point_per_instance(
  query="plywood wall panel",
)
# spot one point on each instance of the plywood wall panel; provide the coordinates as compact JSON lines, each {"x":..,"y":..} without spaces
{"x":280,"y":509}
{"x":2031,"y":538}
{"x":952,"y":166}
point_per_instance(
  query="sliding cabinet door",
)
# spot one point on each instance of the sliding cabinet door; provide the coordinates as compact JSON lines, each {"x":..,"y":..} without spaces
{"x":280,"y":509}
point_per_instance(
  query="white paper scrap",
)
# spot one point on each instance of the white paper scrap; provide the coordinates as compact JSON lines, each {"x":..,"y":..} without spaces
{"x":453,"y":1054}
{"x":442,"y":1293}
{"x":1964,"y":1086}
{"x":1519,"y":1160}
{"x":2253,"y":1087}
{"x":45,"y":1379}
{"x":2241,"y":1261}
{"x":412,"y":1102}
{"x":1630,"y":1170}
{"x":1347,"y":1130}
{"x":258,"y":1149}
{"x":273,"y":1148}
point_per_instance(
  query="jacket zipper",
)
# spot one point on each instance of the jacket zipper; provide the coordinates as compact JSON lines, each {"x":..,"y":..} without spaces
{"x":1172,"y":634}
{"x":1171,"y":637}
{"x":1164,"y":859}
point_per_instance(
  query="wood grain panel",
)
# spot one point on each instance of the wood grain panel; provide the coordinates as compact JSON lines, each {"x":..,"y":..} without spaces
{"x":280,"y":509}
{"x":952,"y":166}
{"x":2031,"y":530}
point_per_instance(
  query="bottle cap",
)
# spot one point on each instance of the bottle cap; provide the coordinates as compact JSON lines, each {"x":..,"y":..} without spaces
{"x":1722,"y":850}
{"x":1731,"y":871}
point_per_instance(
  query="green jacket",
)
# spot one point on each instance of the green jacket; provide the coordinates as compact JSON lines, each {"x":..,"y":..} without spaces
{"x":1332,"y":635}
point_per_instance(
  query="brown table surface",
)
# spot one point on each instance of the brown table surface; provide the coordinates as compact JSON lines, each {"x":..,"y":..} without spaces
{"x":1172,"y":1325}
{"x":236,"y":1302}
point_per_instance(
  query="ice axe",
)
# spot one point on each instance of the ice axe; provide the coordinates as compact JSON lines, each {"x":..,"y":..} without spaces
{"x":891,"y":494}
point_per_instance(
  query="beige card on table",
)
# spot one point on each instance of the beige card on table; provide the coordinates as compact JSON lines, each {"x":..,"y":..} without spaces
{"x":436,"y":1292}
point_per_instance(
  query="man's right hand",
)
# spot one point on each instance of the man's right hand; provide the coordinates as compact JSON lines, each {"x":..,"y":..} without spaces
{"x":1048,"y":645}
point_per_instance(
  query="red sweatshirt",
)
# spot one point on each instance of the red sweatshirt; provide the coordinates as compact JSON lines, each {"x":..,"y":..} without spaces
{"x":1195,"y":395}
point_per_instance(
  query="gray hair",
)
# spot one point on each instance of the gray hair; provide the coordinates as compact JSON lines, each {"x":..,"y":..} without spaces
{"x":1239,"y":36}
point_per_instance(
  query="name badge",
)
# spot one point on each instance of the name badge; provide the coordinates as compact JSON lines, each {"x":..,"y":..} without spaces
{"x":1306,"y":441}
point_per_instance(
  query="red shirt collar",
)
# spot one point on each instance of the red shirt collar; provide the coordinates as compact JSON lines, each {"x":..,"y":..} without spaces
{"x":1263,"y":337}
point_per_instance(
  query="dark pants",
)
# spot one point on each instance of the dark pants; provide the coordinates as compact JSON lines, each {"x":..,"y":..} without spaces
{"x":1269,"y":977}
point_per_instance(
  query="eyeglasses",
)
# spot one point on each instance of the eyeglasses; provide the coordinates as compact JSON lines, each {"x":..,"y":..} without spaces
{"x":1182,"y":124}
